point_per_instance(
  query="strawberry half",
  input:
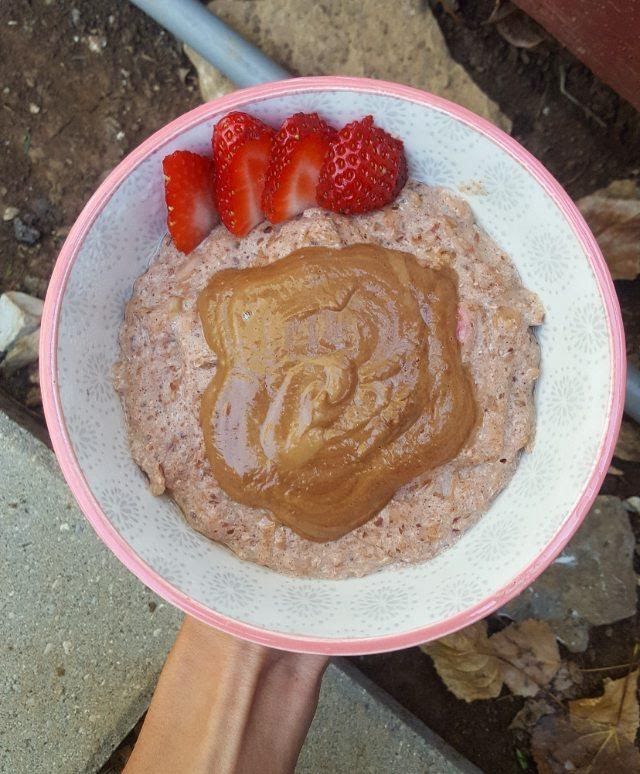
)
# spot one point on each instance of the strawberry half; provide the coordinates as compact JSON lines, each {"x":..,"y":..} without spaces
{"x":188,"y":191}
{"x":297,"y":155}
{"x":241,"y":147}
{"x":365,"y":169}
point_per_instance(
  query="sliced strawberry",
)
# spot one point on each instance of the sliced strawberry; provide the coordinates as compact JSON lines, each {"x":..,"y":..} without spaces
{"x":241,"y":147}
{"x":189,"y":190}
{"x":364,"y":169}
{"x":232,"y":132}
{"x":298,"y":152}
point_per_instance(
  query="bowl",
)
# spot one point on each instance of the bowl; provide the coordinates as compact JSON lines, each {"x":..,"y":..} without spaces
{"x":579,"y":396}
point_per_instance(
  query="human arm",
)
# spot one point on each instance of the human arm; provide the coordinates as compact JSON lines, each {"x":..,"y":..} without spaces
{"x":227,"y":706}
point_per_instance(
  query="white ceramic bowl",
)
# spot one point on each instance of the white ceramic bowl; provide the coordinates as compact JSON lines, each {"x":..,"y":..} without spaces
{"x":579,"y":395}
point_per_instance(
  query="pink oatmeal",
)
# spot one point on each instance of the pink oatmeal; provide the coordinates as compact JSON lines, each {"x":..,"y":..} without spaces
{"x":166,"y":365}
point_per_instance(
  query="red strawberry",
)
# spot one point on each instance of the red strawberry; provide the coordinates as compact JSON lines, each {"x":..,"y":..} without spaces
{"x":188,"y":191}
{"x":365,"y":168}
{"x":241,"y":146}
{"x":299,"y":149}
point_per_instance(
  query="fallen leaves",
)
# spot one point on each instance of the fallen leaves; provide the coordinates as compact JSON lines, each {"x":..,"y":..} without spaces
{"x":466,"y":663}
{"x":529,"y":656}
{"x":558,"y":748}
{"x":474,"y":666}
{"x":613,"y":214}
{"x":530,"y":714}
{"x":598,"y":735}
{"x":594,"y":735}
{"x":615,"y":713}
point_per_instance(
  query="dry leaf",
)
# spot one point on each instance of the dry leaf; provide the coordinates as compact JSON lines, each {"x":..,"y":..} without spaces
{"x":466,"y":664}
{"x":628,"y":444}
{"x":473,"y":666}
{"x":566,"y":684}
{"x":530,"y":656}
{"x":613,"y":214}
{"x":558,"y":748}
{"x":615,"y":714}
{"x":530,"y":714}
{"x":520,"y":30}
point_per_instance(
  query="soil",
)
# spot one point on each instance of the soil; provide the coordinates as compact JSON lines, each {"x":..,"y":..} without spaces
{"x":480,"y":730}
{"x":585,"y":145}
{"x":83,"y":83}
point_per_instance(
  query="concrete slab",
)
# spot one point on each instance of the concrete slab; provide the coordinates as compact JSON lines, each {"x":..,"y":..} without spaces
{"x":359,"y":728}
{"x":82,"y":642}
{"x":81,"y":639}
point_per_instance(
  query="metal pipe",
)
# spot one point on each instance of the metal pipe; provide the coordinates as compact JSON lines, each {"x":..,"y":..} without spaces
{"x":194,"y":24}
{"x":632,"y":399}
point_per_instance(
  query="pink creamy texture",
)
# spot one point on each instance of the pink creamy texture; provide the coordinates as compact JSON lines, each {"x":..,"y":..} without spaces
{"x":165,"y":366}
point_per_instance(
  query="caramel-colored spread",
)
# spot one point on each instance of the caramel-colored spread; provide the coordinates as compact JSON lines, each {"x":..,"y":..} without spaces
{"x":339,"y":380}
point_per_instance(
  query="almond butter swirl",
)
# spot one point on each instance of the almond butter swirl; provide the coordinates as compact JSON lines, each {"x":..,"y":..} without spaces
{"x":339,"y":380}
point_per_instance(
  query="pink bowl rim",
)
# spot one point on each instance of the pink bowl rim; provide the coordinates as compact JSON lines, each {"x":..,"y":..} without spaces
{"x":79,"y":486}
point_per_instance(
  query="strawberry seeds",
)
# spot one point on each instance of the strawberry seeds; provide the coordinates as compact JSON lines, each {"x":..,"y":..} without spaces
{"x":257,"y":173}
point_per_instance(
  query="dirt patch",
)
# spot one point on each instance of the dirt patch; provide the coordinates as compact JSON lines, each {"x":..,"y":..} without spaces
{"x":82,"y":84}
{"x":585,"y":145}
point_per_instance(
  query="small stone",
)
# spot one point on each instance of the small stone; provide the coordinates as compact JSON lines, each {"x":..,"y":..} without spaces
{"x":22,"y":353}
{"x":96,"y":43}
{"x":75,"y":16}
{"x":19,"y":315}
{"x":590,"y":584}
{"x":64,"y":527}
{"x":24,"y":233}
{"x":632,"y":504}
{"x":66,"y":646}
{"x":10,"y":213}
{"x":33,"y":108}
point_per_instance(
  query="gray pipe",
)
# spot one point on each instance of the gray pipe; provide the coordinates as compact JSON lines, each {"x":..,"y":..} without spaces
{"x":235,"y":57}
{"x":632,"y":399}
